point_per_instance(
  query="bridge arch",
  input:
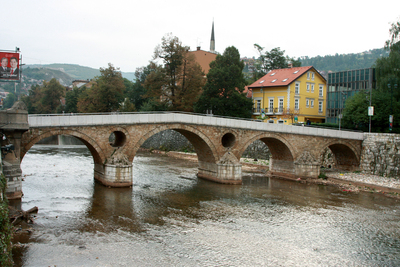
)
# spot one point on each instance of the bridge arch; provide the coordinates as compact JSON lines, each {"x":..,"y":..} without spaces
{"x":97,"y":153}
{"x":205,"y":149}
{"x":346,"y":155}
{"x":282,"y":152}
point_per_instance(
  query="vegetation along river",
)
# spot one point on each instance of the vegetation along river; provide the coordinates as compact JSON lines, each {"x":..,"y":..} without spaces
{"x":171,"y":218}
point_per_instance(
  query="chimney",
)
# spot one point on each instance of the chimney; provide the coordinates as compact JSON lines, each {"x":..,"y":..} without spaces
{"x":198,"y":48}
{"x":290,"y":65}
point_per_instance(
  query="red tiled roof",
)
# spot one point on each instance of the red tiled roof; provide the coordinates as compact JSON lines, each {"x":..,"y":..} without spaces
{"x":280,"y":77}
{"x":248,"y":92}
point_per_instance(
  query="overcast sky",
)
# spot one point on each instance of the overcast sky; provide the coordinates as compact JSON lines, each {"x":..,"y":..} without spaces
{"x":125,"y":33}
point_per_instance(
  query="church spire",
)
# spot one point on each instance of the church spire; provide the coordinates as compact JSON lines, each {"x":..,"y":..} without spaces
{"x":212,"y":42}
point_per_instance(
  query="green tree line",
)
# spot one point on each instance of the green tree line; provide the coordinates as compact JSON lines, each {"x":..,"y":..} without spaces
{"x":385,"y":98}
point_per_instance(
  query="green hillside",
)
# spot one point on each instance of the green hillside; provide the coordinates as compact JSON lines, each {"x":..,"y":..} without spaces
{"x":77,"y":72}
{"x":344,"y":62}
{"x":40,"y":74}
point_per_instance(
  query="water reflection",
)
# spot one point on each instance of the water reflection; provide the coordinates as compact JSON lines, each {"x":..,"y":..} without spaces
{"x":171,"y":218}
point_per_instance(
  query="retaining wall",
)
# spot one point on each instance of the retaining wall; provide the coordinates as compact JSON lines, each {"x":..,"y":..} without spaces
{"x":381,"y":154}
{"x":171,"y":140}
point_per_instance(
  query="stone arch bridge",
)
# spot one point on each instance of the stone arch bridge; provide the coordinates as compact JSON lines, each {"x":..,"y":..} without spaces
{"x":114,"y":139}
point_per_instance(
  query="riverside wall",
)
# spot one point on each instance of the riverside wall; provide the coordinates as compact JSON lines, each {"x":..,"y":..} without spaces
{"x":381,"y":154}
{"x":171,"y":140}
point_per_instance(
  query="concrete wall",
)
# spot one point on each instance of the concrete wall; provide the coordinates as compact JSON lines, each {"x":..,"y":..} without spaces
{"x":381,"y":154}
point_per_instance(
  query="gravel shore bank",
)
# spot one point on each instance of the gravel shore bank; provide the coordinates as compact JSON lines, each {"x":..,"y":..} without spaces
{"x":366,"y":178}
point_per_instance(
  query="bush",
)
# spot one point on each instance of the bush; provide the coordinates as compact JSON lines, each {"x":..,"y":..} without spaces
{"x":5,"y":228}
{"x":322,"y":175}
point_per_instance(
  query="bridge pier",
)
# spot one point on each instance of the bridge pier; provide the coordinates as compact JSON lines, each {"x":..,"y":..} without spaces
{"x":116,"y":172}
{"x":226,"y":171}
{"x":304,"y":166}
{"x":113,"y":175}
{"x":14,"y":122}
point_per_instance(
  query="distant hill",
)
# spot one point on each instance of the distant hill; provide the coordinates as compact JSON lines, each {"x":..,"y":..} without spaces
{"x":77,"y":72}
{"x":344,"y":62}
{"x":36,"y":75}
{"x":64,"y":73}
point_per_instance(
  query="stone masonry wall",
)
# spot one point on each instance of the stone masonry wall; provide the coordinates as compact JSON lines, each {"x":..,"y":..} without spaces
{"x":171,"y":140}
{"x":381,"y":154}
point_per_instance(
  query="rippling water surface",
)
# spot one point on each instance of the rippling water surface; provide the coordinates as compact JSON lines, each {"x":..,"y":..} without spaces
{"x":171,"y":218}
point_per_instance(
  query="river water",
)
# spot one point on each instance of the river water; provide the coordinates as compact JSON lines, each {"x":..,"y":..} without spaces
{"x":171,"y":218}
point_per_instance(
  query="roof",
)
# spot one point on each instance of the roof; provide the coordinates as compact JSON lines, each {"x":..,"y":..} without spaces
{"x":281,"y":77}
{"x":248,"y":92}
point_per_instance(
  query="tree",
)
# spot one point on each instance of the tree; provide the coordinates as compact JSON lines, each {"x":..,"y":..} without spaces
{"x":71,"y":99}
{"x":223,"y":91}
{"x":290,"y":114}
{"x":271,"y":60}
{"x":106,"y":94}
{"x":395,"y":35}
{"x":178,"y":81}
{"x":388,"y":74}
{"x":9,"y":101}
{"x":135,"y":91}
{"x":127,"y":106}
{"x":45,"y":99}
{"x":355,"y":113}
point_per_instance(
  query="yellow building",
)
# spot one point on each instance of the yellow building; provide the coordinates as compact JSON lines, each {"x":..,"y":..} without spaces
{"x":292,"y":95}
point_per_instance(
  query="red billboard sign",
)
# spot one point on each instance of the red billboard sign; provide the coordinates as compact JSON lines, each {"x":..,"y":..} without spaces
{"x":9,"y":66}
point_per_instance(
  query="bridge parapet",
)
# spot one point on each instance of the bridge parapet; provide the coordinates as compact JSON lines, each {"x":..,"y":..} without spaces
{"x":184,"y":118}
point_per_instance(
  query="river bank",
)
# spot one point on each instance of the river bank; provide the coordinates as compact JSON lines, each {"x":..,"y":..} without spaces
{"x":348,"y":181}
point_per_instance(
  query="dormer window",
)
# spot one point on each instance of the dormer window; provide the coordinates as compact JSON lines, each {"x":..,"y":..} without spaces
{"x":284,"y":80}
{"x":295,"y":72}
{"x":273,"y":81}
{"x":272,"y":74}
{"x":262,"y":81}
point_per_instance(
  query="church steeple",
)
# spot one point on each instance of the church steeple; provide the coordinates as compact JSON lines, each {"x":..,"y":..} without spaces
{"x":212,"y":42}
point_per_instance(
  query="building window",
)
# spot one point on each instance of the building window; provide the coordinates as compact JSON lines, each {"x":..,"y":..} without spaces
{"x":271,"y":105}
{"x":312,"y":88}
{"x":297,"y":88}
{"x":312,"y":102}
{"x":307,"y":102}
{"x":280,"y":105}
{"x":321,"y":90}
{"x":280,"y":121}
{"x":312,"y":76}
{"x":308,"y":75}
{"x":320,"y":106}
{"x":296,"y":104}
{"x":271,"y":121}
{"x":308,"y":87}
{"x":258,"y":106}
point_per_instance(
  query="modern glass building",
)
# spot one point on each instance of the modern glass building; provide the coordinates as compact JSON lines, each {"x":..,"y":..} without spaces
{"x":344,"y":84}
